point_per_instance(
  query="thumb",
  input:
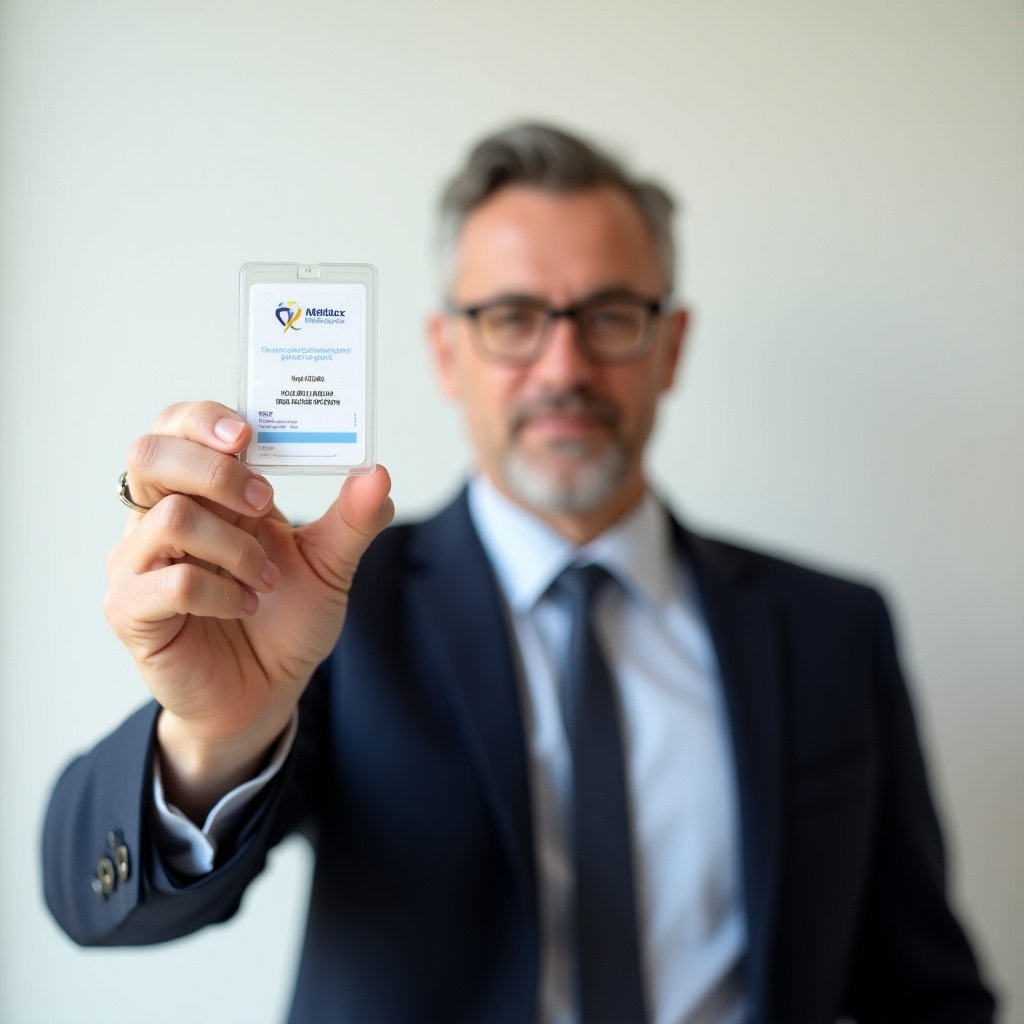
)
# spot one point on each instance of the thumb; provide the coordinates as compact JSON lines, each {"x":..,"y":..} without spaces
{"x":334,"y":543}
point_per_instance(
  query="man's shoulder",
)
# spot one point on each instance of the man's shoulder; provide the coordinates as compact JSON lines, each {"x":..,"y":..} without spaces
{"x":770,"y":570}
{"x":825,"y":613}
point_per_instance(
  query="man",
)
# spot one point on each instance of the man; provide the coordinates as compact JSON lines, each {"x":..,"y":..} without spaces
{"x":682,"y":787}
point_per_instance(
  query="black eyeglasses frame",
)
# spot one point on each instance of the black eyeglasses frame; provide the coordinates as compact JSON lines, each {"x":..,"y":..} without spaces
{"x":652,"y":307}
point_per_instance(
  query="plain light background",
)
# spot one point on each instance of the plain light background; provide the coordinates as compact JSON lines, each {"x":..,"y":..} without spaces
{"x":853,"y":178}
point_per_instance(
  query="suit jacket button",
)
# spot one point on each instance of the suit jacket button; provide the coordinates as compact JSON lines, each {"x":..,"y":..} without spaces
{"x":124,"y":867}
{"x":105,"y":879}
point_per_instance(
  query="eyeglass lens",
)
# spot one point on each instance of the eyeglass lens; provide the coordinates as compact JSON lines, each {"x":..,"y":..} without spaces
{"x":516,"y":330}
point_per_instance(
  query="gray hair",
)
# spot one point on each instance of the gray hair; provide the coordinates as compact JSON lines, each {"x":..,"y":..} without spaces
{"x":547,"y":158}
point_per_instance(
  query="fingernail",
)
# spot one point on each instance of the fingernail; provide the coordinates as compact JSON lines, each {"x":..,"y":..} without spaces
{"x":258,"y":492}
{"x":251,"y":602}
{"x":270,"y":575}
{"x":228,"y":430}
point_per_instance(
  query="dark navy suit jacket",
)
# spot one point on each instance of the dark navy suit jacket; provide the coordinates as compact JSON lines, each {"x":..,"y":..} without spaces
{"x":409,"y":775}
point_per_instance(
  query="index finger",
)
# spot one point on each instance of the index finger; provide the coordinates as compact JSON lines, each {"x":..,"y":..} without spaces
{"x":209,"y":423}
{"x":192,"y":451}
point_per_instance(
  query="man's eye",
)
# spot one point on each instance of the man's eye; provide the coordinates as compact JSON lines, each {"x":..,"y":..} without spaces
{"x":613,"y":318}
{"x":511,"y":319}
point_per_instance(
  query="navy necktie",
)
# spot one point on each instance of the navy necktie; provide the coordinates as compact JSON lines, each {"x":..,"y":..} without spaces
{"x":610,"y":986}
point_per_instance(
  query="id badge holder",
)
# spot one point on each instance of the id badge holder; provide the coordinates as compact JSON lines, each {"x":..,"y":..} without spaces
{"x":306,"y":367}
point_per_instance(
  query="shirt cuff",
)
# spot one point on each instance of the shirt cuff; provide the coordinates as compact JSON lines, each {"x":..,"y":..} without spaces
{"x":190,"y":850}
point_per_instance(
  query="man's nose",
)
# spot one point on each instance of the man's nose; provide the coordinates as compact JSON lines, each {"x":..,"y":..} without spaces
{"x":563,"y":359}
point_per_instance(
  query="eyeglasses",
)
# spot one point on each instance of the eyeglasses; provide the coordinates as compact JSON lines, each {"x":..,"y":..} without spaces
{"x":514,"y":330}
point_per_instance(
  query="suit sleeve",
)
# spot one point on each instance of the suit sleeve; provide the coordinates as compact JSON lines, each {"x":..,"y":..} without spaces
{"x":913,"y":961}
{"x":104,"y":800}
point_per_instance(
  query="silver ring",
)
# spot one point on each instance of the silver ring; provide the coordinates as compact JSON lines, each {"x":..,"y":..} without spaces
{"x":125,"y":495}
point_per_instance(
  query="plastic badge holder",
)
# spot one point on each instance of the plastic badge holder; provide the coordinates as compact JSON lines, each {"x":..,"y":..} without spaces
{"x":306,"y":375}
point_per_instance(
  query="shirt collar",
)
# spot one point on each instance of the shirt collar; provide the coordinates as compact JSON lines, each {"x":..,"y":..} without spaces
{"x":528,"y":554}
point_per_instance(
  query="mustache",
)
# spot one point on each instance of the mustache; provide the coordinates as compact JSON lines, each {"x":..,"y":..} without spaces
{"x":573,"y":402}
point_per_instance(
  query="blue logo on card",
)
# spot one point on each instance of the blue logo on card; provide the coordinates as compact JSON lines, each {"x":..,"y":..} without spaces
{"x":288,"y":315}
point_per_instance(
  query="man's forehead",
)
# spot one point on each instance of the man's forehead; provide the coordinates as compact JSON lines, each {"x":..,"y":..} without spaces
{"x":561,"y":244}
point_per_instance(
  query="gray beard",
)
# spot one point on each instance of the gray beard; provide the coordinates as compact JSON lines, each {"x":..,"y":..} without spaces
{"x":583,"y":488}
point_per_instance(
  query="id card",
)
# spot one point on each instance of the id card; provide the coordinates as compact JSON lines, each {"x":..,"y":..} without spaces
{"x":306,"y":368}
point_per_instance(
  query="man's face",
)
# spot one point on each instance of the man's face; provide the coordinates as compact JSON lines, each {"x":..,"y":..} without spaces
{"x":563,"y":435}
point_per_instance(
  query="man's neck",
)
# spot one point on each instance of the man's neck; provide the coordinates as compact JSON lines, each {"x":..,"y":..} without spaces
{"x":580,"y":528}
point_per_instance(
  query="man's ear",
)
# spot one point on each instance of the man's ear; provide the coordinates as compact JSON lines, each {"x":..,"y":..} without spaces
{"x":440,"y":338}
{"x":678,"y":332}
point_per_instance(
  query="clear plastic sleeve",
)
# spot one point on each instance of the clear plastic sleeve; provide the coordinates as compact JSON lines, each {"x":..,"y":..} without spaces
{"x":308,"y":334}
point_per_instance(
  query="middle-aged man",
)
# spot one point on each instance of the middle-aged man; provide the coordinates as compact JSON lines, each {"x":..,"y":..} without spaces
{"x":568,"y":761}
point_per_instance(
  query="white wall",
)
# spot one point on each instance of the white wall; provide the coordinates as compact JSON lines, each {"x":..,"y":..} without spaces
{"x":854,"y":182}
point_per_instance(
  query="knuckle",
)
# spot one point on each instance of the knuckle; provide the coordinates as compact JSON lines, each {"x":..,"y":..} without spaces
{"x":220,"y":473}
{"x":179,"y":585}
{"x":196,"y":419}
{"x":173,"y":514}
{"x":187,"y":589}
{"x":112,"y":609}
{"x":144,"y":452}
{"x":245,"y":556}
{"x":166,"y":416}
{"x":365,"y":534}
{"x":208,"y":411}
{"x":113,"y":558}
{"x":120,"y":606}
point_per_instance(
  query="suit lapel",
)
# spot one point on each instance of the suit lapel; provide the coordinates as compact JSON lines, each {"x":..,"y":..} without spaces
{"x":454,"y":597}
{"x":748,"y":642}
{"x":464,"y":625}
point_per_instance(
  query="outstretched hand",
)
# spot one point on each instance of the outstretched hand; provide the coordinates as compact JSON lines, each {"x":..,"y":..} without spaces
{"x":226,"y":608}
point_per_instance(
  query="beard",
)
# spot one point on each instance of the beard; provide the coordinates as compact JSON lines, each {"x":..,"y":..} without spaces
{"x":580,"y":480}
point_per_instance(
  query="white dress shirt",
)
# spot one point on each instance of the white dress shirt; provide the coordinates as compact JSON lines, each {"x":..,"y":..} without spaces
{"x":676,"y":742}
